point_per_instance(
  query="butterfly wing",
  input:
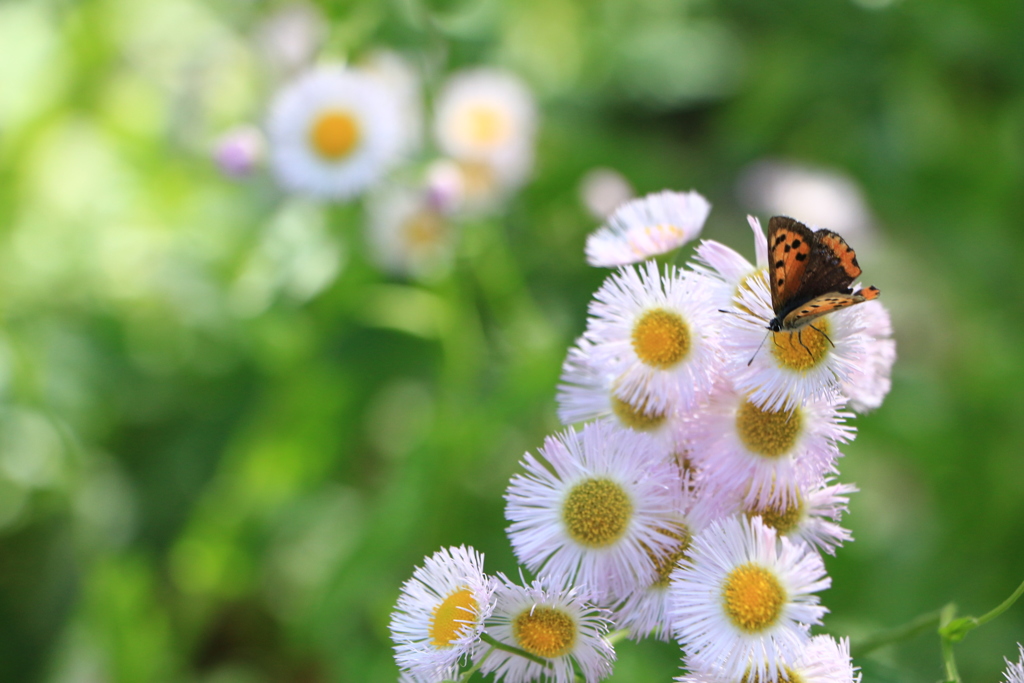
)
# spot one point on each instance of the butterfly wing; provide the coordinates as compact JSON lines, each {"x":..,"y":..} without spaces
{"x":826,"y":303}
{"x":789,"y":249}
{"x":831,"y":267}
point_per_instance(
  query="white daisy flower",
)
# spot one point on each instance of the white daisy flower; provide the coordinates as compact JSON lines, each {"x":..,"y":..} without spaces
{"x":1015,"y":671}
{"x":550,"y":621}
{"x":743,"y":600}
{"x":644,"y":227}
{"x":607,"y":502}
{"x":821,"y":660}
{"x":783,"y":369}
{"x":334,"y":132}
{"x":811,"y":515}
{"x":645,"y":611}
{"x":657,"y":334}
{"x":441,"y":612}
{"x":239,"y":151}
{"x":587,"y":392}
{"x":602,"y":190}
{"x":765,"y":455}
{"x":408,"y":236}
{"x":486,"y":119}
{"x":870,"y":381}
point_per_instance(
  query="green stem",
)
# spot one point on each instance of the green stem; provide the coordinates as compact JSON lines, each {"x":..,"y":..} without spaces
{"x":476,"y":667}
{"x":925,"y":622}
{"x":1005,"y":605}
{"x":948,"y":660}
{"x":498,"y":645}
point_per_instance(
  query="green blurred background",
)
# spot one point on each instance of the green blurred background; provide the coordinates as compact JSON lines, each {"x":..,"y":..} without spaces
{"x":226,"y":439}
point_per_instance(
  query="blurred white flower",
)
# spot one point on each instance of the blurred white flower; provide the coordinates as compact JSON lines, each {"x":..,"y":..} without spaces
{"x":290,"y":37}
{"x":653,"y":224}
{"x":407,"y":235}
{"x":820,"y":197}
{"x":334,"y":132}
{"x":602,"y":190}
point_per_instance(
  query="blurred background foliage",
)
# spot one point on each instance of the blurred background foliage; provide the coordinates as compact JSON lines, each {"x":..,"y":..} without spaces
{"x":226,"y":439}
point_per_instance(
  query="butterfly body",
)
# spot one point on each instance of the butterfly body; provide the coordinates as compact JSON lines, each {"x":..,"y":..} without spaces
{"x":810,"y":274}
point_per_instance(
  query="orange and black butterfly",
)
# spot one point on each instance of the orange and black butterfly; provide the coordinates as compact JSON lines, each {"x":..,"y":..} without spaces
{"x":810,"y":274}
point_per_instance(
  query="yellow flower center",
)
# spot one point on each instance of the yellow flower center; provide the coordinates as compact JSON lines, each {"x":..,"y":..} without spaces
{"x":641,"y":418}
{"x":424,"y":229}
{"x":451,"y":616}
{"x":334,"y":134}
{"x":786,"y":675}
{"x":664,"y":564}
{"x":545,"y":632}
{"x":770,"y":433}
{"x":753,"y":598}
{"x":478,"y":179}
{"x":784,"y":518}
{"x":485,"y":125}
{"x":802,"y":349}
{"x":661,"y":338}
{"x":597,"y":512}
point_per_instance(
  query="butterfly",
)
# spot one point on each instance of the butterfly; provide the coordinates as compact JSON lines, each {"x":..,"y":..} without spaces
{"x":810,"y":273}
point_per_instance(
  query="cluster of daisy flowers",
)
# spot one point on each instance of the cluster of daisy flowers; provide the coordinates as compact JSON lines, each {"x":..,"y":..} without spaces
{"x":693,"y":491}
{"x":337,"y":131}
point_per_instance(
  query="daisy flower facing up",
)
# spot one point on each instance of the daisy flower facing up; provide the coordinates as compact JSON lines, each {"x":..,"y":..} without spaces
{"x":656,"y":334}
{"x":870,"y":382}
{"x":588,"y":393}
{"x":741,"y":603}
{"x":764,"y":455}
{"x":1015,"y":672}
{"x":486,"y":120}
{"x":334,"y":132}
{"x":822,"y":660}
{"x":441,"y":612}
{"x":598,"y":513}
{"x":644,"y":227}
{"x":727,"y":268}
{"x":407,"y":235}
{"x":783,"y":369}
{"x":552,"y":622}
{"x":811,"y":515}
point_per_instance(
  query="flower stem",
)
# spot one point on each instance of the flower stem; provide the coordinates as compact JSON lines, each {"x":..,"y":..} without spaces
{"x":498,"y":645}
{"x":948,"y":660}
{"x":1005,"y":605}
{"x":925,"y":622}
{"x":616,"y":636}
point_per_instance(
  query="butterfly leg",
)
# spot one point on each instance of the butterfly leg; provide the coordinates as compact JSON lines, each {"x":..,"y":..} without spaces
{"x":800,"y":338}
{"x":823,"y":335}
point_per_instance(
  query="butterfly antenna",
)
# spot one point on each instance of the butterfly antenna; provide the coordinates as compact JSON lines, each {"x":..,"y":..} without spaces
{"x":823,"y":335}
{"x":759,"y":347}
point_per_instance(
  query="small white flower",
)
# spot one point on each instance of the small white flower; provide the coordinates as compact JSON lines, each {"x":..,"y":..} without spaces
{"x":644,"y":227}
{"x":657,"y":334}
{"x":765,"y":455}
{"x":646,"y":611}
{"x":587,"y":392}
{"x":334,"y":132}
{"x":743,"y":600}
{"x":441,"y":612}
{"x":1015,"y":671}
{"x":822,"y":660}
{"x":608,"y":502}
{"x":239,"y":151}
{"x":810,"y":514}
{"x":870,"y":381}
{"x":602,"y":190}
{"x":783,"y":369}
{"x":486,"y":119}
{"x":550,"y":621}
{"x":407,"y":235}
